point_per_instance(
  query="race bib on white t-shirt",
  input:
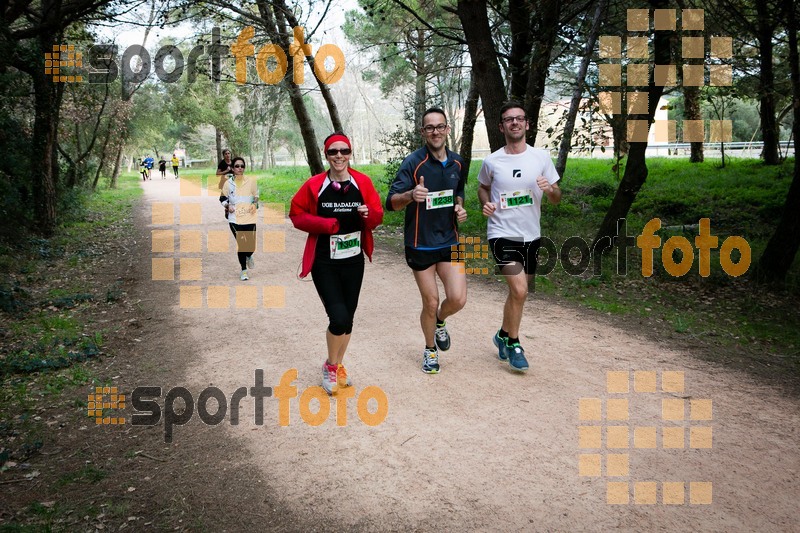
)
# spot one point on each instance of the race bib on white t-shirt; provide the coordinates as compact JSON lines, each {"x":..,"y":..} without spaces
{"x":515,"y":199}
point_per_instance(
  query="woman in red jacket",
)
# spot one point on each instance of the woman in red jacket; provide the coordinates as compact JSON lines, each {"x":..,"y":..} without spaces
{"x":339,"y":209}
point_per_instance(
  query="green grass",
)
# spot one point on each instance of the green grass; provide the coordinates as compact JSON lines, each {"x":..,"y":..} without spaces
{"x":87,"y":474}
{"x":54,"y":383}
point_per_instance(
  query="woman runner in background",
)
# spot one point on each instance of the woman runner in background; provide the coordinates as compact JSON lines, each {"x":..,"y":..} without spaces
{"x":239,"y":197}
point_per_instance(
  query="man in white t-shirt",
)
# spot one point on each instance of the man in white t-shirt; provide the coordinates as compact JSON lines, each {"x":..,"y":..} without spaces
{"x":512,"y":182}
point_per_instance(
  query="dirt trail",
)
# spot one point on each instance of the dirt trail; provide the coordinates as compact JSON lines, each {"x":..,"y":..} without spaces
{"x":477,"y":446}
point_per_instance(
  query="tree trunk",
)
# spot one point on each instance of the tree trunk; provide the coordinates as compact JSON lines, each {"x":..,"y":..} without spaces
{"x":122,"y":116}
{"x":306,"y":129}
{"x":691,"y":95}
{"x":271,"y":134}
{"x":540,"y":64}
{"x":117,"y":166}
{"x":103,"y":154}
{"x":769,"y":127}
{"x":691,"y":103}
{"x":636,"y":167}
{"x":619,"y":143}
{"x":251,"y":140}
{"x":474,"y":18}
{"x":77,"y":173}
{"x":264,"y":147}
{"x":324,"y":89}
{"x":519,"y":20}
{"x":420,"y":80}
{"x":577,"y":93}
{"x":275,"y":25}
{"x":470,"y":118}
{"x":71,"y":170}
{"x":73,"y":166}
{"x":330,"y":103}
{"x":774,"y":263}
{"x":47,"y":103}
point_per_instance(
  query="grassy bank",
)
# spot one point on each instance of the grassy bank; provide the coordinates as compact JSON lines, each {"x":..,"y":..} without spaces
{"x":53,"y":293}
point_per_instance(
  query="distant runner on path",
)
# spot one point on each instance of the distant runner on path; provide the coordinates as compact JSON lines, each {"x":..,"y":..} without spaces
{"x":224,"y":170}
{"x":142,"y":169}
{"x":239,"y":197}
{"x":430,"y":186}
{"x":149,"y":162}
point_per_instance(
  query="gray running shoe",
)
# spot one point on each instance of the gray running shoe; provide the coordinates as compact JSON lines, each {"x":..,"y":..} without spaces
{"x":430,"y":361}
{"x":442,"y":338}
{"x":329,"y":378}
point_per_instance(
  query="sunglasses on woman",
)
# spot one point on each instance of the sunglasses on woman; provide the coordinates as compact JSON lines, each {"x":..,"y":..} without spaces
{"x":333,"y":151}
{"x":238,"y":166}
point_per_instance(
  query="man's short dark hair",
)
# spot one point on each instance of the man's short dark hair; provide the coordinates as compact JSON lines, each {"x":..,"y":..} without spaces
{"x":511,"y":104}
{"x":434,"y":110}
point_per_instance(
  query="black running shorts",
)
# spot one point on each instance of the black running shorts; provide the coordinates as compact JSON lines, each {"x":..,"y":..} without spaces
{"x":506,"y":252}
{"x":423,"y":259}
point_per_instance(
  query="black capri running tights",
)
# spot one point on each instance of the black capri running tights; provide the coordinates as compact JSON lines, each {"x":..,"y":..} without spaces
{"x":245,"y":235}
{"x":338,"y":287}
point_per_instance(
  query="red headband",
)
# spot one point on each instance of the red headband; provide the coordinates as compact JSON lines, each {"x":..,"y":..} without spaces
{"x":337,"y":138}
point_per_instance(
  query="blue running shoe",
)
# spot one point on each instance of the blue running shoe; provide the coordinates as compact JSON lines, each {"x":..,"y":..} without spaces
{"x":500,"y":342}
{"x":516,"y":357}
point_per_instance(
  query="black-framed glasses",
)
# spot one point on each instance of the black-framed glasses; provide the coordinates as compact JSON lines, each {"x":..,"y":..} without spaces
{"x":431,"y":128}
{"x":522,"y":119}
{"x":333,"y":151}
{"x":238,"y":166}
